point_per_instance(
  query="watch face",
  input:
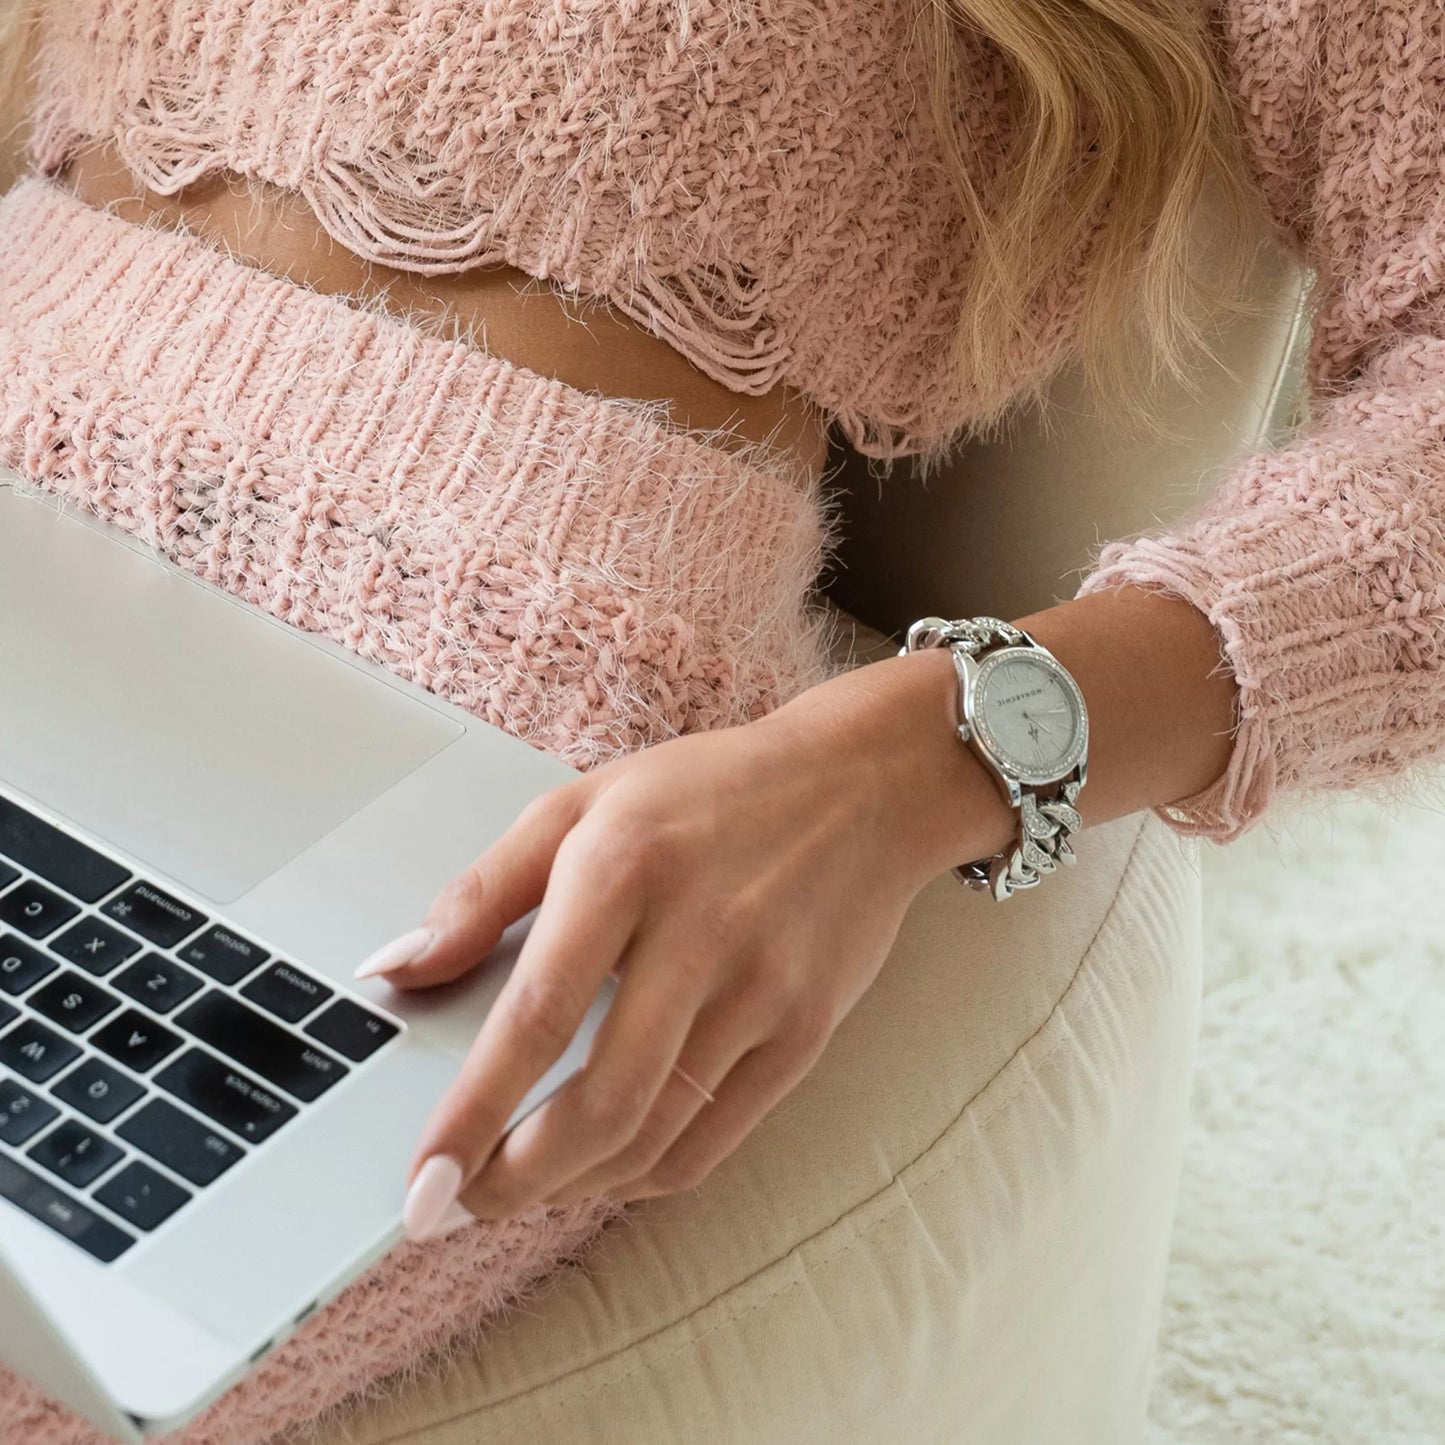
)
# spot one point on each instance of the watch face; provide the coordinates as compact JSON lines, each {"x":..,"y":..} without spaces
{"x":1029,"y":714}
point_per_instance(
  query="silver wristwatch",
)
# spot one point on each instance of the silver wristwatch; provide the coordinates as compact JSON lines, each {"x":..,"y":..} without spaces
{"x":1024,"y":716}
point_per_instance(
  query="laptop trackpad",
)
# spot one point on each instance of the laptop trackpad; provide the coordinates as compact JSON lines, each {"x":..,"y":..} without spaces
{"x":182,"y":726}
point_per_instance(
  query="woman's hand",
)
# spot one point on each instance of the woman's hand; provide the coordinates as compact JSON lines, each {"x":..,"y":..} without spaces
{"x":744,"y":885}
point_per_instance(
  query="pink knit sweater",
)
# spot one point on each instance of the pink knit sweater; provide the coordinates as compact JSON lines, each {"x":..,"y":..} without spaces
{"x":762,"y":186}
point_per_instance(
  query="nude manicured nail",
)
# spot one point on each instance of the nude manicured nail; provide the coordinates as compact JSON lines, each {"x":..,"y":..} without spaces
{"x":431,"y":1203}
{"x":406,"y":949}
{"x":457,"y":1217}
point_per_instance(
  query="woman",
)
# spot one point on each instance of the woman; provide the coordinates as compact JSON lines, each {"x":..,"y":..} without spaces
{"x":782,"y":237}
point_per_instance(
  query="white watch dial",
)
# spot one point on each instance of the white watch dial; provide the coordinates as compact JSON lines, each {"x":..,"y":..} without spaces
{"x":1028,"y":712}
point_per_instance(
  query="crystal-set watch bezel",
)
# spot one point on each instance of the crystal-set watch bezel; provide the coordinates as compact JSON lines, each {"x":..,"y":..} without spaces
{"x":975,"y":677}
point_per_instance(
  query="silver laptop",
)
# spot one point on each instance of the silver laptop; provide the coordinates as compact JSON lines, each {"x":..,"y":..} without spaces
{"x":207,"y":819}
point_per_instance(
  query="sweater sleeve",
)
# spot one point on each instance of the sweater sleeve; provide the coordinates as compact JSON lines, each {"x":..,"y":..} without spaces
{"x":1322,"y":564}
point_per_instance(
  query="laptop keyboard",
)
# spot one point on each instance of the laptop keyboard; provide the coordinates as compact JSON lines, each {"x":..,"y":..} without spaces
{"x":145,"y":1047}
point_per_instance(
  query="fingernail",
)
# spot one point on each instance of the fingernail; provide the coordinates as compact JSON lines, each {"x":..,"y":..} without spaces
{"x":457,"y":1217}
{"x":406,"y":949}
{"x":431,"y":1202}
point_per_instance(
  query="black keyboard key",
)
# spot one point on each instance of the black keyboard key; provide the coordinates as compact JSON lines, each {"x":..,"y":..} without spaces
{"x":140,"y":1196}
{"x":7,"y":874}
{"x":180,"y":1142}
{"x":255,"y":1043}
{"x":287,"y":992}
{"x":8,"y":1013}
{"x":95,"y":946}
{"x":223,"y":955}
{"x":56,"y":856}
{"x":21,"y":964}
{"x":73,"y":1001}
{"x":351,"y":1030}
{"x":97,"y":1090}
{"x":34,"y":909}
{"x":77,"y":1154}
{"x":22,"y":1114}
{"x":159,"y":983}
{"x":43,"y":1201}
{"x":154,"y":914}
{"x":226,"y":1095}
{"x":36,"y":1052}
{"x":136,"y":1041}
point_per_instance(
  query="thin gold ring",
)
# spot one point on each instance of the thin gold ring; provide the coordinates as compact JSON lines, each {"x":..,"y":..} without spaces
{"x":682,"y":1073}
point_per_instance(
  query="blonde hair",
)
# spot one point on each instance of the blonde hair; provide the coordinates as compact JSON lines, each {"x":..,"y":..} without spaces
{"x":1127,"y":128}
{"x":17,"y":35}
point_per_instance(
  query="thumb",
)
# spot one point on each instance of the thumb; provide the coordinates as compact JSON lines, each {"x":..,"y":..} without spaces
{"x":468,"y":917}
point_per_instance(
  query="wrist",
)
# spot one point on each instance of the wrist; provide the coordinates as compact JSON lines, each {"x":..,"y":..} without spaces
{"x":958,"y":808}
{"x":938,"y":805}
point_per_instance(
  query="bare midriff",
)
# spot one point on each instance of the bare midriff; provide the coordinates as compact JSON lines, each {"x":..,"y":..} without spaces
{"x":512,"y":315}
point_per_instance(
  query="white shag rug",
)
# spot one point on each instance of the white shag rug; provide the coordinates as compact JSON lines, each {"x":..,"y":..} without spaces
{"x":1306,"y":1290}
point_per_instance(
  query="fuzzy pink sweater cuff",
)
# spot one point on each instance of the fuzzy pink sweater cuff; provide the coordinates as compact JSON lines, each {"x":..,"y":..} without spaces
{"x":1322,"y":566}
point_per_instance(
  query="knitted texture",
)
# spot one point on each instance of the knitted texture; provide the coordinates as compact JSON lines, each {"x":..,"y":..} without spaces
{"x":567,"y":567}
{"x":762,"y":186}
{"x":759,"y":184}
{"x":1322,"y":564}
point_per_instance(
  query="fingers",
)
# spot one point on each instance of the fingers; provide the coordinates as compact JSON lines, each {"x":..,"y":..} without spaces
{"x":586,"y":918}
{"x":686,"y":1137}
{"x":708,"y":1057}
{"x":468,"y":917}
{"x":760,"y":1080}
{"x":618,"y":1116}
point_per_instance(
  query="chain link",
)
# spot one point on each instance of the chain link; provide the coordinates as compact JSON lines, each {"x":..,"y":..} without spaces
{"x":971,"y":634}
{"x":1043,"y":846}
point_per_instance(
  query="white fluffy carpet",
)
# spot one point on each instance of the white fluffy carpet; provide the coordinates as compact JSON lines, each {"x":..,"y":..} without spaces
{"x":1306,"y":1292}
